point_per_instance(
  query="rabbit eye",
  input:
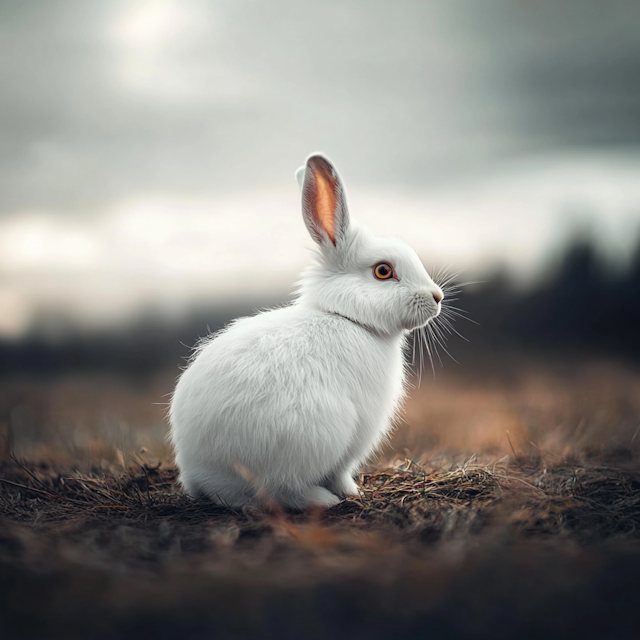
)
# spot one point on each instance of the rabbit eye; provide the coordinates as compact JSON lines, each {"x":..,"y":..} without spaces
{"x":383,"y":271}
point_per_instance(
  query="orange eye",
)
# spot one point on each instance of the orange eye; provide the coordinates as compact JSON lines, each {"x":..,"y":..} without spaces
{"x":383,"y":271}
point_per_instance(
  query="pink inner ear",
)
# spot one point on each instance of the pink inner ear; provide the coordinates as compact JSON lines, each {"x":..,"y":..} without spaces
{"x":324,"y":204}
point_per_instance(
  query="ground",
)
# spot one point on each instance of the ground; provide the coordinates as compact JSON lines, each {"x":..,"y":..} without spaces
{"x":506,"y":505}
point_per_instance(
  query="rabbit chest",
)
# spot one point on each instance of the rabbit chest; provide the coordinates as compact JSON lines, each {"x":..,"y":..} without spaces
{"x":369,"y":372}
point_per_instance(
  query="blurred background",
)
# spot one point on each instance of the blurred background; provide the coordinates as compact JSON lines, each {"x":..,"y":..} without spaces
{"x":147,"y":190}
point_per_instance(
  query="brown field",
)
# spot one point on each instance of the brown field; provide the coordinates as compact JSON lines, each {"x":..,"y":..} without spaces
{"x":506,"y":505}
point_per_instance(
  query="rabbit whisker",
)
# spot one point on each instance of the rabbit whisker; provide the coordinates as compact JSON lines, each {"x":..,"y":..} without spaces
{"x":440,"y":338}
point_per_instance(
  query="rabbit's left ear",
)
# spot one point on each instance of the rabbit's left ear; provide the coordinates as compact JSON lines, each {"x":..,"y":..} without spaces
{"x":324,"y":206}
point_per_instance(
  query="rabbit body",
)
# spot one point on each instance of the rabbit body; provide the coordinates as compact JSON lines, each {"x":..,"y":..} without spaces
{"x":276,"y":402}
{"x":285,"y":405}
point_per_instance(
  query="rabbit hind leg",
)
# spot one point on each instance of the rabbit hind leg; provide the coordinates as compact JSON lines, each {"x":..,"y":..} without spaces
{"x":224,"y":489}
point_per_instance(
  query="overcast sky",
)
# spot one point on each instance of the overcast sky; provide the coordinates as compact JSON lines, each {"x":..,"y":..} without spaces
{"x":142,"y":140}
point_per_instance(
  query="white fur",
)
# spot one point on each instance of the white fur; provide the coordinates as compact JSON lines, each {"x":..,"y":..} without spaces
{"x":287,"y":404}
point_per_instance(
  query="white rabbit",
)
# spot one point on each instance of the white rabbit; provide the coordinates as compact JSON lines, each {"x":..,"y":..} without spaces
{"x":287,"y":404}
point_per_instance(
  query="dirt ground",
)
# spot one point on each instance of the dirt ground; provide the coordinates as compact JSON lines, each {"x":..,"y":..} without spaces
{"x":507,"y":505}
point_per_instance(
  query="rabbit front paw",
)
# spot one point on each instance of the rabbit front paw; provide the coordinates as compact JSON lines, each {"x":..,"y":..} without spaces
{"x":342,"y":484}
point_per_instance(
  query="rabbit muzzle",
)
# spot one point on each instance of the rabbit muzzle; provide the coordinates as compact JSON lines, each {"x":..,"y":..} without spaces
{"x":424,"y":305}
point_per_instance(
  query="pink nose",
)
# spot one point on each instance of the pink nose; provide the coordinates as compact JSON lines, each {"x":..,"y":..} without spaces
{"x":437,"y":297}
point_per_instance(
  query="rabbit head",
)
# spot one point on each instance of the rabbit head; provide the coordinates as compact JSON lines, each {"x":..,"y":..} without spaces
{"x":379,"y":283}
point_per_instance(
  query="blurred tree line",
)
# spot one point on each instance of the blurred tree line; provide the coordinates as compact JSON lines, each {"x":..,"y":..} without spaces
{"x":585,"y":305}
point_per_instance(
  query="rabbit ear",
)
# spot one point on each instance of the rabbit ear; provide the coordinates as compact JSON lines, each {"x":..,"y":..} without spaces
{"x":324,"y":206}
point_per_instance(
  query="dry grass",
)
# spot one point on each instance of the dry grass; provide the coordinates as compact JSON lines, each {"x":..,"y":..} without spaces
{"x":585,"y":502}
{"x":508,"y":505}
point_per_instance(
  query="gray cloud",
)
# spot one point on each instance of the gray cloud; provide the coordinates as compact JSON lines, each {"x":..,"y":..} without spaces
{"x":402,"y":93}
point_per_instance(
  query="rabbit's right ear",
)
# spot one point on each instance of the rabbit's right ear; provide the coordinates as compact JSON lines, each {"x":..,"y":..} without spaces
{"x":324,"y":206}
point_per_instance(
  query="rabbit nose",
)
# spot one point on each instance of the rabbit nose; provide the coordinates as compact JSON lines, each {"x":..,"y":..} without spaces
{"x":437,"y":296}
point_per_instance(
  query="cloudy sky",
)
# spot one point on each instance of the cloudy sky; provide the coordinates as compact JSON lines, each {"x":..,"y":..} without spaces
{"x":148,"y":146}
